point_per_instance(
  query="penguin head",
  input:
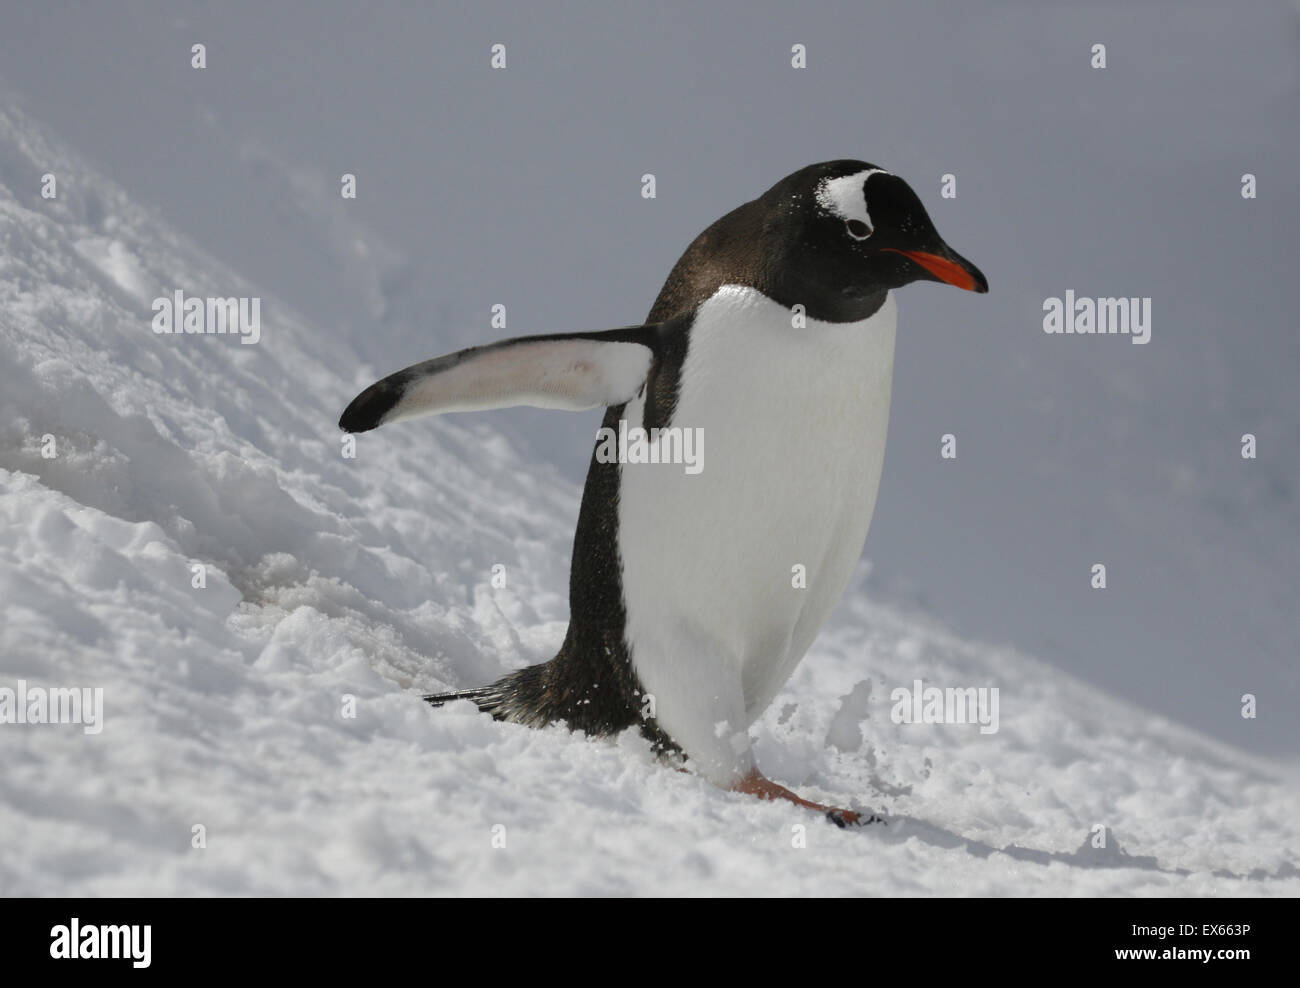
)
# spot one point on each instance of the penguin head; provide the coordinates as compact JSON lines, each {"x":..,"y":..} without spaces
{"x":849,"y":231}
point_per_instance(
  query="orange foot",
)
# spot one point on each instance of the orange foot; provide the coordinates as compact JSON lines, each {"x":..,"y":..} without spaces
{"x":757,"y":784}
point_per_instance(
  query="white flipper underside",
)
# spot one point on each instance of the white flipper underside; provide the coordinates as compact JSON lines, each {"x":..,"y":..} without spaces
{"x":570,"y":375}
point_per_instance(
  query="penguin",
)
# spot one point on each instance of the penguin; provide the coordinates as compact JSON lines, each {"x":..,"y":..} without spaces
{"x":694,"y":595}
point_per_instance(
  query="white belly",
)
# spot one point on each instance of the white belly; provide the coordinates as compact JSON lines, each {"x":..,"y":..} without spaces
{"x":793,"y":423}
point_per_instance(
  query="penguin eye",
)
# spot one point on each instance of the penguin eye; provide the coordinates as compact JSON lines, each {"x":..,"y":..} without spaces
{"x":858,"y":230}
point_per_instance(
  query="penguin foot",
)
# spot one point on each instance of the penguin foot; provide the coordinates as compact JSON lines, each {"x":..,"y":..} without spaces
{"x":757,"y":784}
{"x":848,"y":818}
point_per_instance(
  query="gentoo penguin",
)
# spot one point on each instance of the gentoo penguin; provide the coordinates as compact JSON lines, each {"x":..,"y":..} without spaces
{"x":773,"y":341}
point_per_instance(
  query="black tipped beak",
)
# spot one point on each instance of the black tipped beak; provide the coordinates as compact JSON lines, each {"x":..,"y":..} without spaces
{"x":949,"y":267}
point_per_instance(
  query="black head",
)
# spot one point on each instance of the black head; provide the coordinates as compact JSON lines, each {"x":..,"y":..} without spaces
{"x":840,"y":234}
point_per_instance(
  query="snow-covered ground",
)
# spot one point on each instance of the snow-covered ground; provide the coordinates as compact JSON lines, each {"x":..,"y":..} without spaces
{"x":329,"y":577}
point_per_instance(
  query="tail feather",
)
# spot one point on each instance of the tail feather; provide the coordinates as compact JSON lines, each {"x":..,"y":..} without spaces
{"x":487,"y":698}
{"x":522,"y":697}
{"x":518,"y":697}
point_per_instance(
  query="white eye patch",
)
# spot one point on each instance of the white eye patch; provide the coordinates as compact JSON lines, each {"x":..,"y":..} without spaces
{"x":846,"y":198}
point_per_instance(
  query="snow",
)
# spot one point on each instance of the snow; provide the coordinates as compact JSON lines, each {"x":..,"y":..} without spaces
{"x":330,"y":578}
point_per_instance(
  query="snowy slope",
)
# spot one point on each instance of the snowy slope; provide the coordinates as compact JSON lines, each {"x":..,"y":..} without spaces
{"x":370,"y":577}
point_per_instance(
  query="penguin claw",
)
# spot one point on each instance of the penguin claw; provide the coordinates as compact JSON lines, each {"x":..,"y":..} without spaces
{"x":848,"y":818}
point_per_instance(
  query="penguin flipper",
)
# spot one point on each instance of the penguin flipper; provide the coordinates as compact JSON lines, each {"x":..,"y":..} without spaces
{"x":567,"y":371}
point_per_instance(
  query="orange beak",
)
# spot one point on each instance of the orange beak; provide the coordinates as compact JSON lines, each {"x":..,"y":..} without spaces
{"x":952,"y":272}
